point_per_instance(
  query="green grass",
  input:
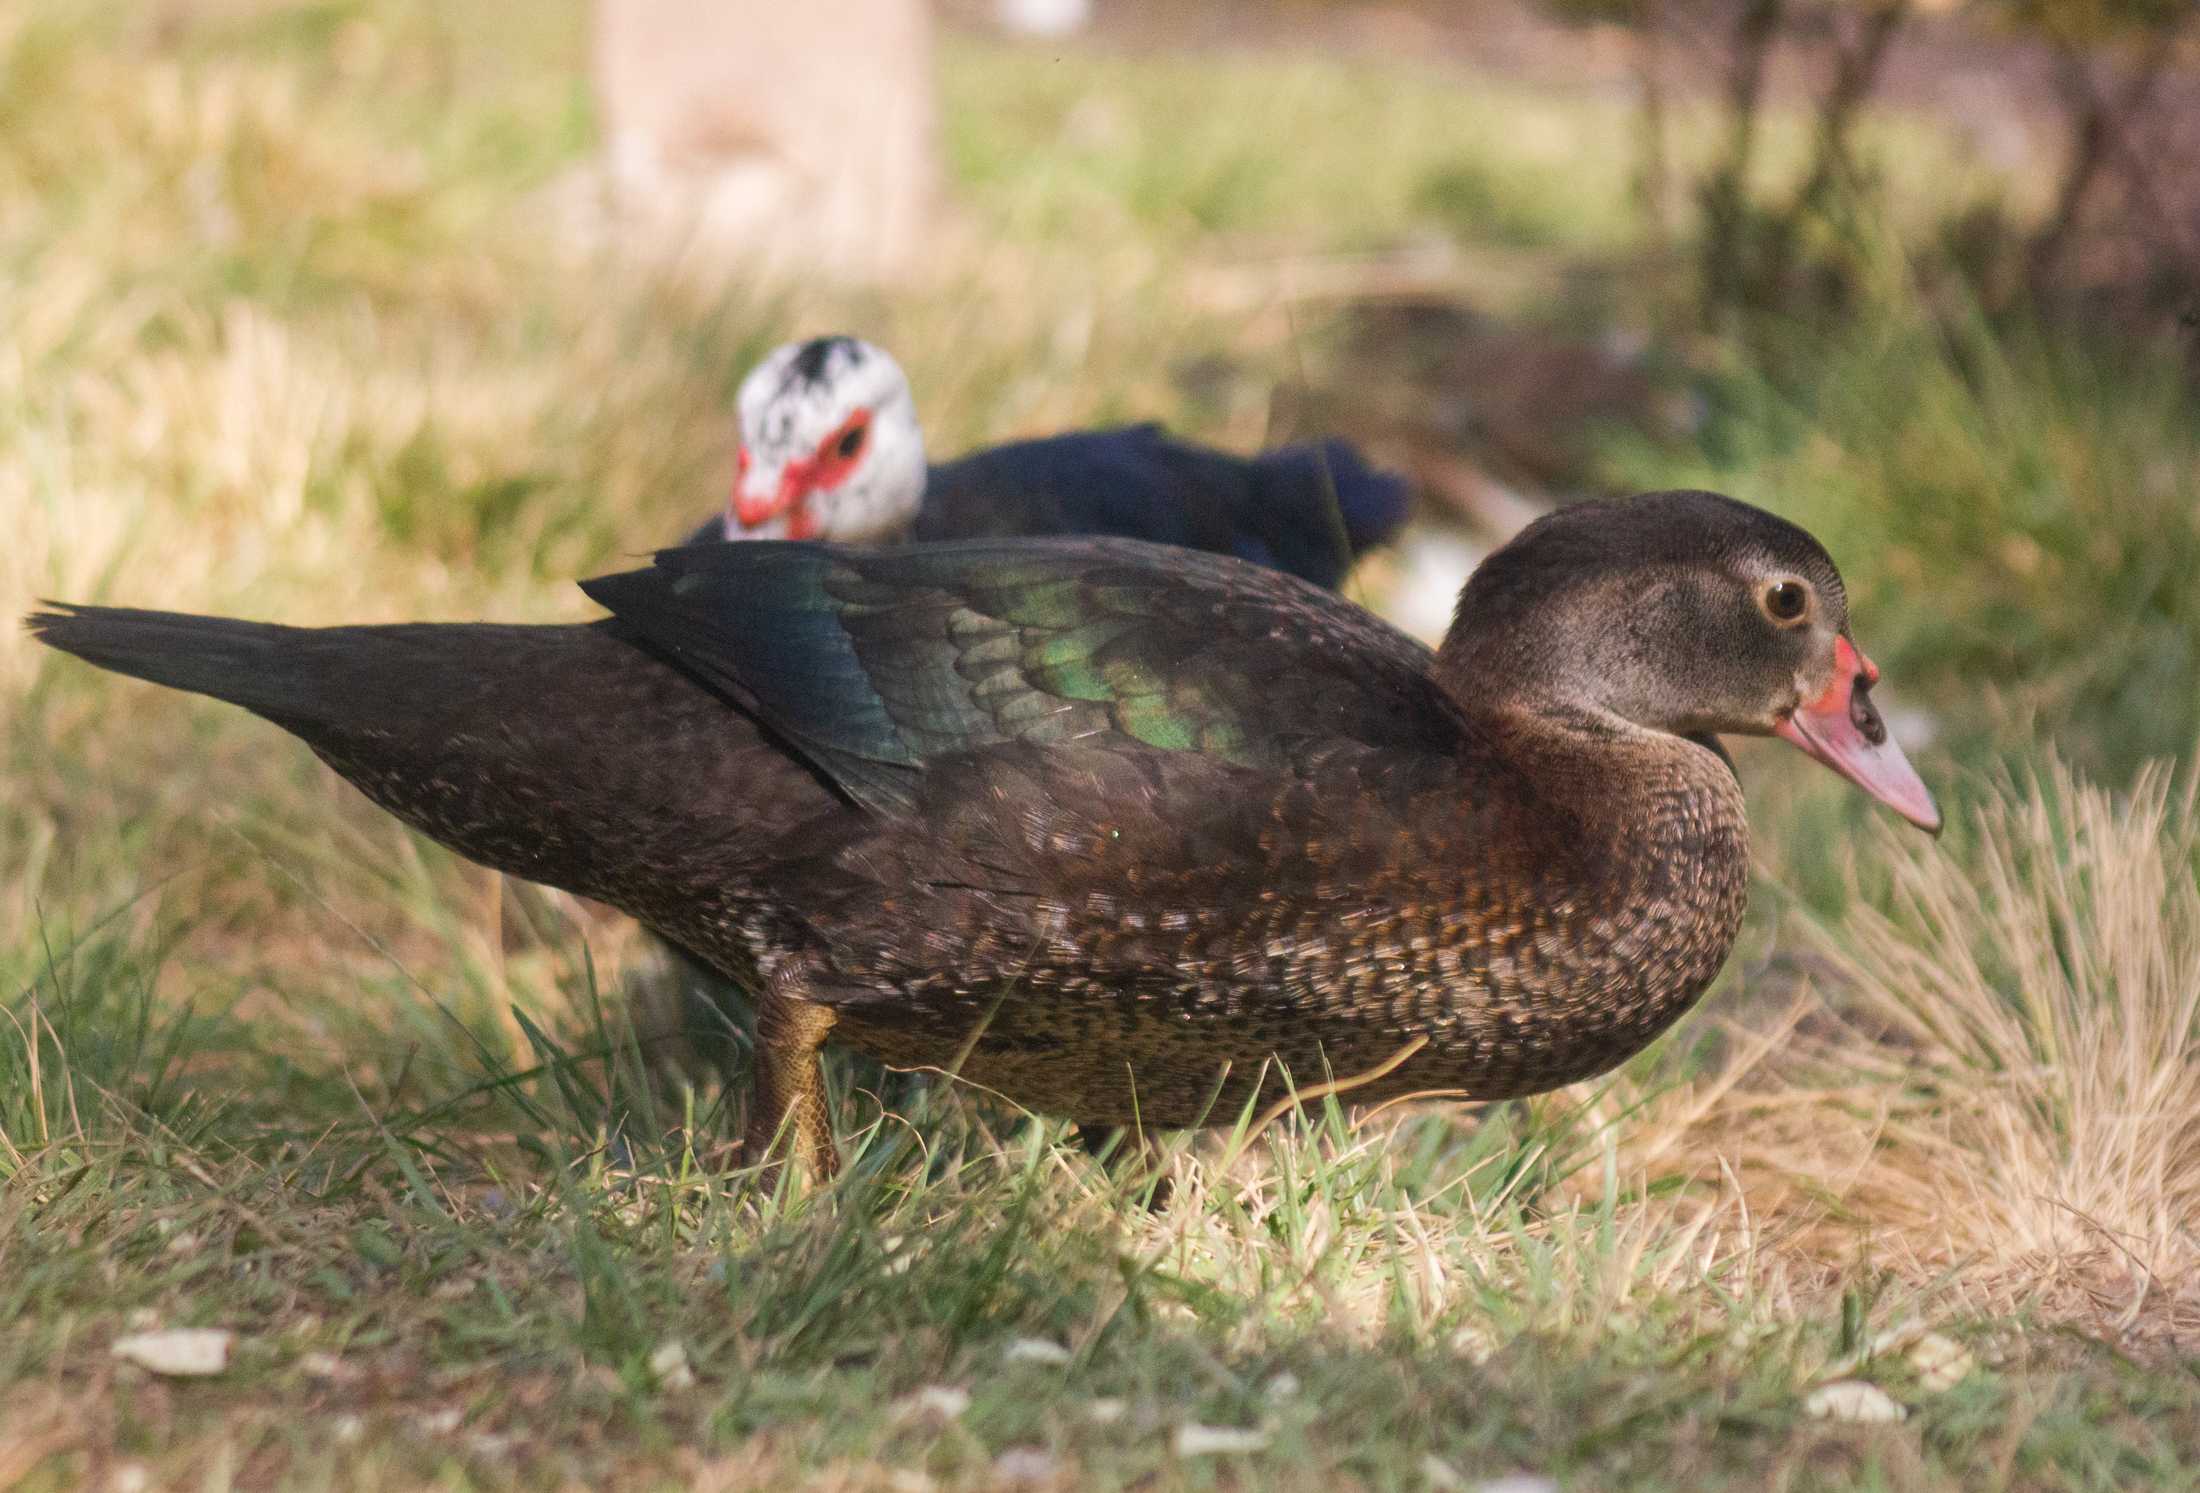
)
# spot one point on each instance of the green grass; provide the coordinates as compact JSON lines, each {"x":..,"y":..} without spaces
{"x":420,"y":1293}
{"x":286,"y":334}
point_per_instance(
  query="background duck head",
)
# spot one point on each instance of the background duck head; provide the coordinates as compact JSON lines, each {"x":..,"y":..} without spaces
{"x":830,"y":446}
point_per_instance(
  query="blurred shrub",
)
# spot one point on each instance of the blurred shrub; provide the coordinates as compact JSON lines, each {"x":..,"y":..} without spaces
{"x":1758,"y":245}
{"x":1480,"y":199}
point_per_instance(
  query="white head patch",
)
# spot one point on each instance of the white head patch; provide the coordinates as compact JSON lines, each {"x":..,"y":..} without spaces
{"x":830,"y":446}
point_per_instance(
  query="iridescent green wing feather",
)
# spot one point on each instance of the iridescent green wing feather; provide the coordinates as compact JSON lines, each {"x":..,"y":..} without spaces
{"x":874,"y":663}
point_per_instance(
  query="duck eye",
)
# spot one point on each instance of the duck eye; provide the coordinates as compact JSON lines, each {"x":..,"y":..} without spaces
{"x":1786,"y":601}
{"x":850,"y":446}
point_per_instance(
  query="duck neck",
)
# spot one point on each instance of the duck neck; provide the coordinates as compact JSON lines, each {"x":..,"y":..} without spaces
{"x":1633,"y":851}
{"x":1613,"y":780}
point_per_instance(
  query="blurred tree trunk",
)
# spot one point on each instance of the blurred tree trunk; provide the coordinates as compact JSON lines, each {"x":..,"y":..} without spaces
{"x":798,"y":135}
{"x":1653,"y":171}
{"x":1856,"y":74}
{"x":1726,"y":192}
{"x":2095,"y":129}
{"x":1748,"y":252}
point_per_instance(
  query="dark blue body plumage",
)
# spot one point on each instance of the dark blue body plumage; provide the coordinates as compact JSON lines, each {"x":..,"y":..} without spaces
{"x":1309,"y":509}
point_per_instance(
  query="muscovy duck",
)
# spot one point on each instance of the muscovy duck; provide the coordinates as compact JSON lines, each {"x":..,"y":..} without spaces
{"x":831,"y":449}
{"x":1119,"y":831}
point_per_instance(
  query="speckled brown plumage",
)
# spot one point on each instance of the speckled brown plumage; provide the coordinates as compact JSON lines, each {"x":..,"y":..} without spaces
{"x":1119,"y":832}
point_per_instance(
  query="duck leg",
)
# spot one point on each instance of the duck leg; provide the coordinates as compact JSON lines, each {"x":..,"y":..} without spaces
{"x":787,"y":1108}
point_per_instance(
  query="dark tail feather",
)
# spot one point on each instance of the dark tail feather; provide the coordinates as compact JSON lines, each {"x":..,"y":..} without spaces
{"x":1373,"y":504}
{"x":253,"y":664}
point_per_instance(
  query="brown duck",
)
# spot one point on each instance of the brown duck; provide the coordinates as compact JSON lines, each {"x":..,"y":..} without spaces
{"x":1122,"y":832}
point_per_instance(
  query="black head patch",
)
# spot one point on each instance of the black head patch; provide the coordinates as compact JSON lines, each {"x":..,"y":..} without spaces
{"x":814,"y":359}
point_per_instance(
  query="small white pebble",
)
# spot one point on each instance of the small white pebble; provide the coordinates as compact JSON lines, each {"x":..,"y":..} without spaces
{"x":130,"y":1477}
{"x":178,"y":1352}
{"x":1025,"y":1467}
{"x":1441,"y":1475}
{"x":1473,"y":1344}
{"x":1941,"y":1363}
{"x":1035,"y":1350}
{"x":347,"y":1429}
{"x":318,"y":1365}
{"x":1283,"y":1386}
{"x":1853,"y":1400}
{"x":440,"y":1422}
{"x":942,"y":1400}
{"x":1195,"y":1440}
{"x":669,"y":1365}
{"x":1106,"y":1411}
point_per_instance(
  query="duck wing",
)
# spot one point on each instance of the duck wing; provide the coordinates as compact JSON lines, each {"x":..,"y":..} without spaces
{"x":877,"y":665}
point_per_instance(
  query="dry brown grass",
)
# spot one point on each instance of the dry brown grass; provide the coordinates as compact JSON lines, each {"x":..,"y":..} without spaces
{"x":2039,"y":1005}
{"x":1997,"y":1082}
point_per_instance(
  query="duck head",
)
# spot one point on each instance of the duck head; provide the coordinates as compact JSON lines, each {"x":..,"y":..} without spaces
{"x":830,"y":446}
{"x":1687,"y":613}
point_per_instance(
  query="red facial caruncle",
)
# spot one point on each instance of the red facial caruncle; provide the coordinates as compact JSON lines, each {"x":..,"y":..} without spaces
{"x":1843,"y":729}
{"x":836,"y":458}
